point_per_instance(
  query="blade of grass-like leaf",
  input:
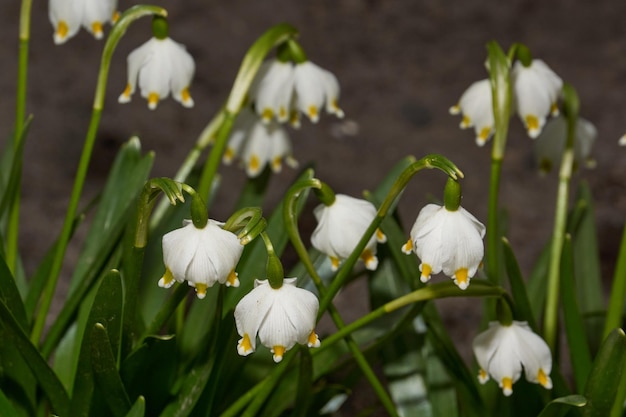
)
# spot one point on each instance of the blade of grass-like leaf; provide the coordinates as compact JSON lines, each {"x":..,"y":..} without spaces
{"x":104,"y":367}
{"x":523,"y":310}
{"x":10,"y":296}
{"x":305,"y":384}
{"x":606,"y":375}
{"x":559,"y":406}
{"x":7,"y":408}
{"x":615,"y":310}
{"x":138,"y":409}
{"x":15,"y":172}
{"x":580,"y":356}
{"x":45,"y":375}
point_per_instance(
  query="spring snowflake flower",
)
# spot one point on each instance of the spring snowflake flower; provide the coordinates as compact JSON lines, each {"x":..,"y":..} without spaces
{"x":161,"y":65}
{"x":550,"y":144}
{"x":280,"y":317}
{"x":341,"y":225}
{"x":536,"y":91}
{"x":502,"y":351}
{"x":476,"y":107}
{"x":283,"y":90}
{"x":258,"y":144}
{"x":67,"y":16}
{"x":201,"y":257}
{"x":448,"y":241}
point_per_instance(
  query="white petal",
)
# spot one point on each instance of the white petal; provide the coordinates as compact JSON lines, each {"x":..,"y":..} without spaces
{"x":309,"y":86}
{"x":183,"y":68}
{"x":67,"y":13}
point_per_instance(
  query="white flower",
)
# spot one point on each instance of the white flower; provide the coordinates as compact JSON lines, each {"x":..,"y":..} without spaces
{"x":448,"y":241}
{"x":502,"y":351}
{"x":550,"y":144}
{"x":67,"y":16}
{"x":281,"y":90}
{"x":476,"y":107}
{"x":258,"y":144}
{"x":622,"y":140}
{"x":162,"y":65}
{"x":536,"y":90}
{"x":280,"y":317}
{"x":340,"y":227}
{"x":201,"y":257}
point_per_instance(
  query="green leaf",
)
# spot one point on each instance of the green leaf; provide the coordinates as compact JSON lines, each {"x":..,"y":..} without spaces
{"x":105,"y":371}
{"x":7,"y":408}
{"x":138,"y":409}
{"x":10,"y":296}
{"x":606,"y":374}
{"x":559,"y":406}
{"x":15,"y":172}
{"x":523,"y":310}
{"x":45,"y":376}
{"x":580,"y":356}
{"x":305,"y":383}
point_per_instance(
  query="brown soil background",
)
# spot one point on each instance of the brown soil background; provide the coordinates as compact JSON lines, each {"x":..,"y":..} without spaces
{"x":401,"y":64}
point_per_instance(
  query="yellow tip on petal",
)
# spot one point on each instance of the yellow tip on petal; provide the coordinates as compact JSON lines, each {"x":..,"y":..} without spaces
{"x":153,"y":100}
{"x":380,"y":236}
{"x":371,"y":261}
{"x":532,"y":125}
{"x":254,"y":164}
{"x":244,"y":347}
{"x":186,"y":97}
{"x":554,"y":109}
{"x":334,"y":263}
{"x":294,"y":120}
{"x":278,"y":351}
{"x":277,"y":164}
{"x":336,"y":109}
{"x":62,"y":30}
{"x":461,"y":279}
{"x":201,"y":290}
{"x":544,"y":379}
{"x":507,"y":386}
{"x":115,"y":17}
{"x":465,"y":122}
{"x":313,"y":340}
{"x":483,"y":376}
{"x":96,"y":29}
{"x":229,"y":154}
{"x":484,"y":134}
{"x":313,"y":113}
{"x":426,"y":271}
{"x":456,"y":109}
{"x":267,"y":114}
{"x":407,"y":247}
{"x":282,"y":113}
{"x":232,"y":280}
{"x":167,"y":280}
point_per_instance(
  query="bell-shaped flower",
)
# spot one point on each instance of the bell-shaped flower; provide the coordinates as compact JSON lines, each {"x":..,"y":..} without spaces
{"x":550,"y":144}
{"x":340,"y":227}
{"x":160,"y":66}
{"x":280,"y":317}
{"x":282,"y":90}
{"x":67,"y":16}
{"x":476,"y":107}
{"x":536,"y":91}
{"x":201,"y":257}
{"x":258,"y":144}
{"x":448,"y":241}
{"x":502,"y":351}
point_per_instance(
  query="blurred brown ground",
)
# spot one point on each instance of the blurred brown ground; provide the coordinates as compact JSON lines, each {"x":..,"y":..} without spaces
{"x":401,"y":64}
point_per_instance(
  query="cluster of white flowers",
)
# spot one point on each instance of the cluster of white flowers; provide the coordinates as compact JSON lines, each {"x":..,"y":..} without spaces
{"x":536,"y":91}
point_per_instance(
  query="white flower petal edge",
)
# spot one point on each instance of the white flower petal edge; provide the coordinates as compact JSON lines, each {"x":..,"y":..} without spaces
{"x":501,"y":352}
{"x":622,"y":140}
{"x":448,"y":241}
{"x":536,"y":91}
{"x":160,"y":66}
{"x":340,"y":228}
{"x":201,"y":257}
{"x":279,"y":317}
{"x":475,"y":105}
{"x":67,"y":16}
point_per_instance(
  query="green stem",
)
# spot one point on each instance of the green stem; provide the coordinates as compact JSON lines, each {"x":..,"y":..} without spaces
{"x":618,"y":292}
{"x":492,"y":266}
{"x":115,"y":35}
{"x":20,"y":115}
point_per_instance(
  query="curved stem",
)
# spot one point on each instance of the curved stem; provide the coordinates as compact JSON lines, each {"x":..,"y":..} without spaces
{"x":616,"y":301}
{"x":116,"y":34}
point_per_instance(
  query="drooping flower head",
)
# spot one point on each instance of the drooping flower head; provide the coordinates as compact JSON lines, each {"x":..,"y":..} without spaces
{"x":550,"y":144}
{"x":341,"y":225}
{"x":476,"y":107}
{"x":160,"y":66}
{"x":258,"y":144}
{"x":503,"y":350}
{"x":536,"y":91}
{"x":282,"y":90}
{"x":280,"y":317}
{"x":67,"y":16}
{"x":201,"y":257}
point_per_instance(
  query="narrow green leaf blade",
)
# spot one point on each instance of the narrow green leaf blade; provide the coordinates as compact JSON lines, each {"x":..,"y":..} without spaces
{"x":10,"y":295}
{"x":559,"y":406}
{"x":138,"y":409}
{"x":523,"y":310}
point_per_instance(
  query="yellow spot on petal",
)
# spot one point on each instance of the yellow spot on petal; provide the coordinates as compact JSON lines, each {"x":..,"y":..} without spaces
{"x":380,"y":236}
{"x":532,"y":123}
{"x":229,"y":154}
{"x":313,"y":340}
{"x":127,"y":91}
{"x":282,"y":113}
{"x":426,"y":271}
{"x":267,"y":114}
{"x":96,"y":28}
{"x":483,"y":376}
{"x":466,"y":122}
{"x":294,"y":119}
{"x":407,"y":247}
{"x":507,"y":386}
{"x":232,"y":280}
{"x":62,"y":29}
{"x":456,"y":109}
{"x":185,"y":96}
{"x":115,"y":17}
{"x":484,"y":133}
{"x":153,"y":100}
{"x":277,"y":164}
{"x":254,"y":164}
{"x":371,"y":261}
{"x":334,"y":263}
{"x":461,"y":279}
{"x":313,"y":113}
{"x":554,"y":109}
{"x":167,"y":280}
{"x":245,"y":346}
{"x":543,"y":379}
{"x":278,"y":351}
{"x":201,"y":290}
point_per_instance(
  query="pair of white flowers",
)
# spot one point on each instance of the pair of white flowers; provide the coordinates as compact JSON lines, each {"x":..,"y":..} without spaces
{"x":279,"y":317}
{"x":67,"y":16}
{"x":536,"y":91}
